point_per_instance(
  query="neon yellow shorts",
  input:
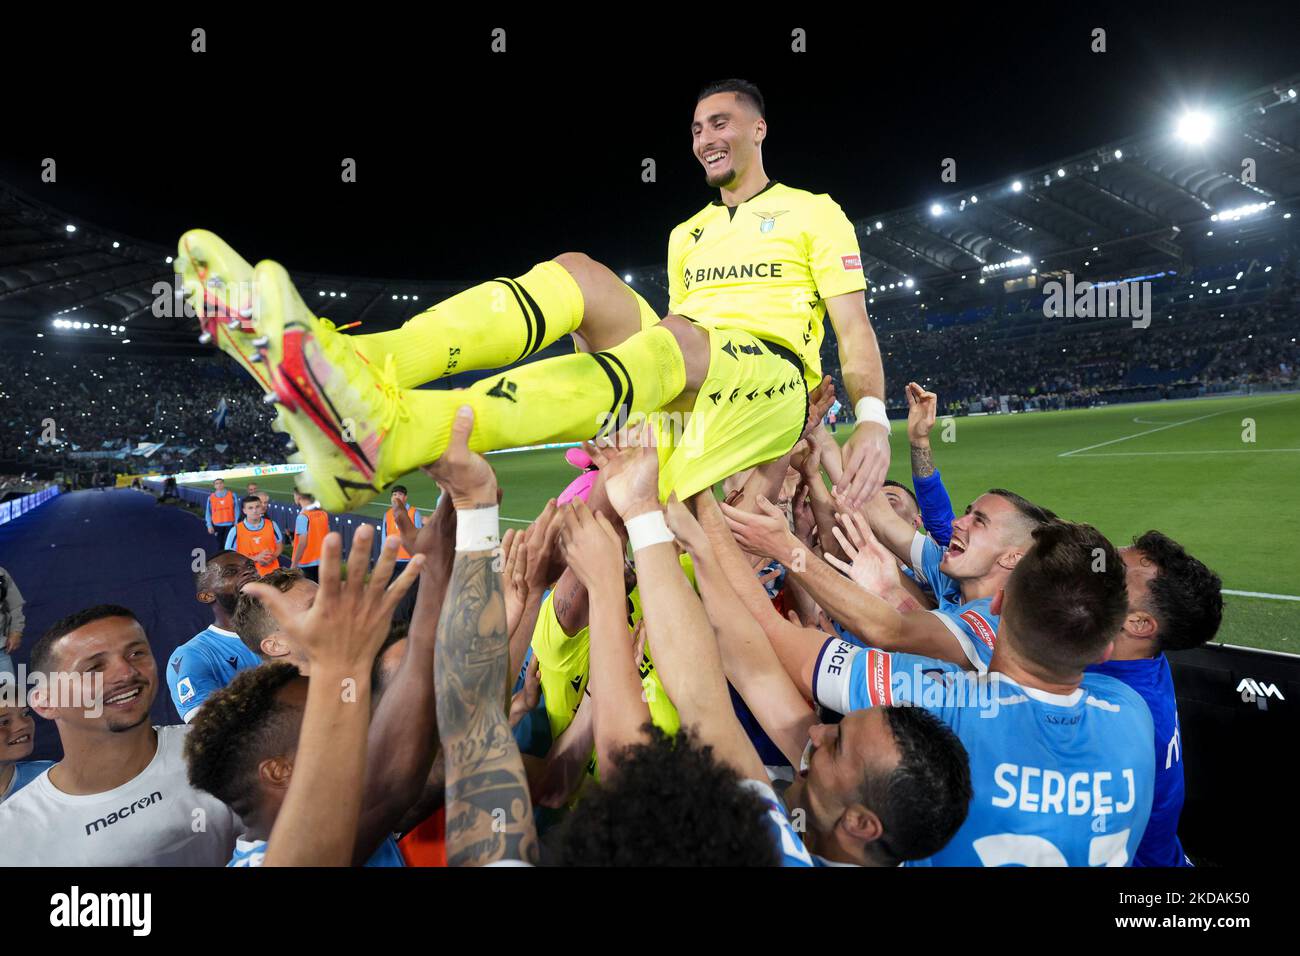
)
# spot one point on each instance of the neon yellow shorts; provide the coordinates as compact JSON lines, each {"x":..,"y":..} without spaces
{"x":751,"y":409}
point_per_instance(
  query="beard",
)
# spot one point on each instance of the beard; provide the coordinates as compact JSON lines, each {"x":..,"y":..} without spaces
{"x":228,"y":602}
{"x":720,"y":180}
{"x":122,"y":726}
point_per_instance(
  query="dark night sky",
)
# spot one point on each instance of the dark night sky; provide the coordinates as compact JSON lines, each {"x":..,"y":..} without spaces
{"x":473,"y":164}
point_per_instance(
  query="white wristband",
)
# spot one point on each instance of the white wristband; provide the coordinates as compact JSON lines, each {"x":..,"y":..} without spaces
{"x":648,"y":529}
{"x":871,"y":409}
{"x":478,"y":529}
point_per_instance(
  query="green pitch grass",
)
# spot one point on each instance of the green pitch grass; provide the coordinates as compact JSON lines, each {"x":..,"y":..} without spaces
{"x":1186,"y":468}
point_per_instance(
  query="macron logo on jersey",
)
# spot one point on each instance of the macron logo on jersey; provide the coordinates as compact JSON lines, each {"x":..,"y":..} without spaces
{"x":980,"y":626}
{"x":851,"y":263}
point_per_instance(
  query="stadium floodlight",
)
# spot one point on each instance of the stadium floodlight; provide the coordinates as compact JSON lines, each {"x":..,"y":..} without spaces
{"x":343,"y":295}
{"x":879,"y":224}
{"x":394,"y":298}
{"x":333,"y":295}
{"x":1286,"y":215}
{"x":1017,"y":186}
{"x":1194,"y":127}
{"x":1238,"y":212}
{"x":70,"y":227}
{"x":936,"y":209}
{"x":321,"y":293}
{"x":415,"y":298}
{"x":126,"y":341}
{"x":627,"y":277}
{"x":1119,"y":154}
{"x":169,"y":260}
{"x":1060,"y":174}
{"x":909,"y":283}
{"x":117,"y":245}
{"x":1291,"y":92}
{"x":974,"y":200}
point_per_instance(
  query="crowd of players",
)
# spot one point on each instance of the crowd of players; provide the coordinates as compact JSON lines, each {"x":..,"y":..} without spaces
{"x":774,"y":679}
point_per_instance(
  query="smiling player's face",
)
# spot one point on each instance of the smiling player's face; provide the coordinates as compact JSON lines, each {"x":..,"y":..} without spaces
{"x":113,"y":653}
{"x":724,"y":137}
{"x":979,"y":538}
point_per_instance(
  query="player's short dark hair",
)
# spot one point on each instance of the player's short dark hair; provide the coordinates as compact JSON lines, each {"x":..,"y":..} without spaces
{"x":1032,"y":516}
{"x":248,"y":500}
{"x":743,"y":89}
{"x":924,"y":801}
{"x":891,"y":483}
{"x":42,"y":655}
{"x":237,"y":728}
{"x":671,"y":803}
{"x":1067,"y":597}
{"x":252,"y":619}
{"x":399,"y":488}
{"x":1186,"y":595}
{"x":204,"y":578}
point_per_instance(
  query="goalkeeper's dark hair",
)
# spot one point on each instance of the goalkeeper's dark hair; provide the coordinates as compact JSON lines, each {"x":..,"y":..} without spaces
{"x":670,"y":803}
{"x":743,"y":89}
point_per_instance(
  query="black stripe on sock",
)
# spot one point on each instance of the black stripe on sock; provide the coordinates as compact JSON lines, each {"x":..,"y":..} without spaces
{"x":614,"y":383}
{"x":622,"y":368}
{"x":538,"y":315}
{"x":528,"y":319}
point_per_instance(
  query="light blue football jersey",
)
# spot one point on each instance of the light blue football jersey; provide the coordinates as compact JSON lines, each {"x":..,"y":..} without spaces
{"x":203,"y":665}
{"x":1059,"y":780}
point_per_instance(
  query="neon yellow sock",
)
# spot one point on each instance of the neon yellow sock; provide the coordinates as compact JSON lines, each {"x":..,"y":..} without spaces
{"x":492,"y":325}
{"x":566,"y":398}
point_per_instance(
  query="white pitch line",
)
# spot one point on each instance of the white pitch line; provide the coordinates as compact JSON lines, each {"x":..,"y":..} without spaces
{"x":1188,"y":421}
{"x":1262,"y":594}
{"x":1222,"y":451}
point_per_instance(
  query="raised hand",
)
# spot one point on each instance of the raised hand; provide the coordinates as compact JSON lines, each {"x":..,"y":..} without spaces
{"x":766,"y":533}
{"x":921,"y":409}
{"x":871,"y":565}
{"x":464,"y":474}
{"x":632,"y":475}
{"x":591,"y":546}
{"x":865,"y":458}
{"x":685,"y":527}
{"x":514,"y":559}
{"x":820,"y":400}
{"x":540,"y":548}
{"x":348,"y":620}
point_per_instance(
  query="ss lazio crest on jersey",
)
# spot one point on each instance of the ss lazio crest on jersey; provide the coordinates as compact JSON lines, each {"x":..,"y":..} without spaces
{"x":769,"y":219}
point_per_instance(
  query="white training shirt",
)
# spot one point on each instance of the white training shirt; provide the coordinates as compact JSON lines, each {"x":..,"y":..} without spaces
{"x":154,"y":819}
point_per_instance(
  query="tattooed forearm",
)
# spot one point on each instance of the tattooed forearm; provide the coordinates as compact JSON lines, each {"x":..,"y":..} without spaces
{"x":922,"y":461}
{"x":489,"y":814}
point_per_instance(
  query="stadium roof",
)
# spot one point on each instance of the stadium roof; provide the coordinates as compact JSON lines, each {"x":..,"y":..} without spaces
{"x":1145,"y":200}
{"x":1149,"y":201}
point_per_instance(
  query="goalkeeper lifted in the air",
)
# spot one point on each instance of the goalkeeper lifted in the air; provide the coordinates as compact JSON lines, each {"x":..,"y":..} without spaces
{"x":751,"y":278}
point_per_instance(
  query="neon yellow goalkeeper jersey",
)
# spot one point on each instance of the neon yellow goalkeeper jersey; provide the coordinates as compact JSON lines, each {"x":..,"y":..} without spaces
{"x":766,"y":266}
